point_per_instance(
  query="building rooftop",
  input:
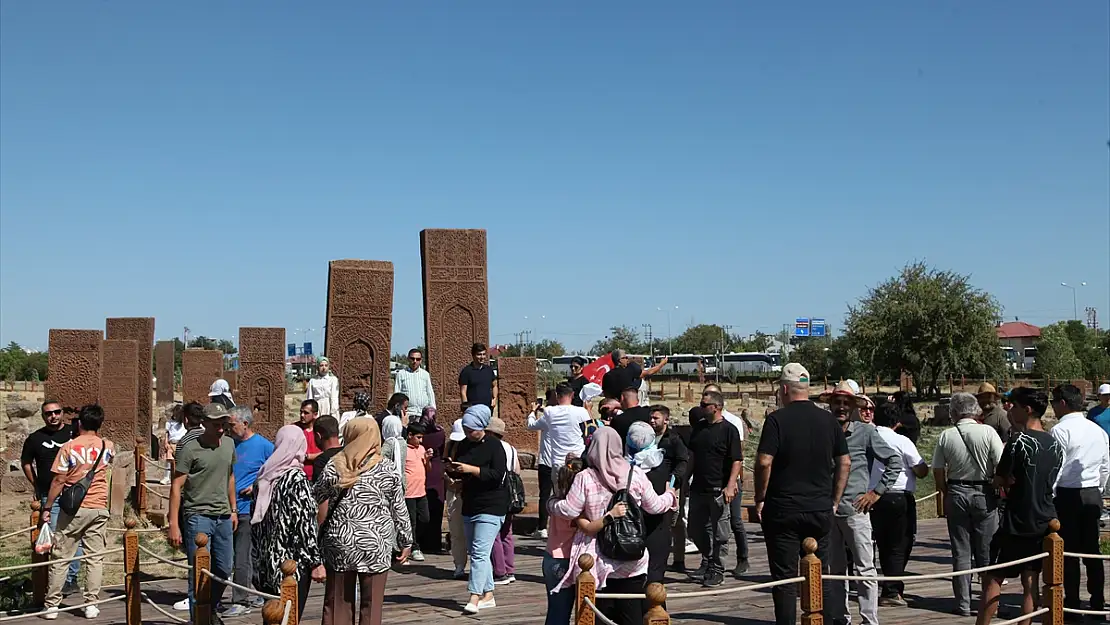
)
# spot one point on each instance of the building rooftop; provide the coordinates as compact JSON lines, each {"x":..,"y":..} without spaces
{"x":1018,"y":330}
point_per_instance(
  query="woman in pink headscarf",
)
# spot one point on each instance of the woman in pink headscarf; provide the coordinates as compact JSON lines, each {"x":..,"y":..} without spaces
{"x":283,"y":525}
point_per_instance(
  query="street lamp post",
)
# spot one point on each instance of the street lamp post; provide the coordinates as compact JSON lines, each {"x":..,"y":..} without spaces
{"x":1074,"y":301}
{"x":670,"y":337}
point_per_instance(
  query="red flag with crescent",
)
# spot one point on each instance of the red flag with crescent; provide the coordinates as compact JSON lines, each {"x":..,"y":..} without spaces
{"x":598,"y":368}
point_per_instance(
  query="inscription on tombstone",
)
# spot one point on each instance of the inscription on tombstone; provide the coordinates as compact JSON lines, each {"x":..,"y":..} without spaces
{"x":164,"y":371}
{"x":119,"y":378}
{"x":360,"y":328}
{"x":516,"y":394}
{"x":456,"y":308}
{"x":140,"y":330}
{"x":199,"y":369}
{"x":74,"y":366}
{"x":261,"y":377}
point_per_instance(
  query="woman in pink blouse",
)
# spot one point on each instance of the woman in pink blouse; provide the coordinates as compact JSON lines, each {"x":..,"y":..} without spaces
{"x":589,"y":499}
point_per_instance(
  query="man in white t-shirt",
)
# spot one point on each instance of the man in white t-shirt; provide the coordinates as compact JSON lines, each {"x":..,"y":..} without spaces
{"x":894,"y":516}
{"x":736,"y":516}
{"x":560,"y":428}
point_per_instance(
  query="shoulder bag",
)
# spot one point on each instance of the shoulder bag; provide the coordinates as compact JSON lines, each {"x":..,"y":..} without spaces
{"x":72,"y":496}
{"x":516,"y":487}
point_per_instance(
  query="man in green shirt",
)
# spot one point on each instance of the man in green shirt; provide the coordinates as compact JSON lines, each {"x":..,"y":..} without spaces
{"x":202,"y":498}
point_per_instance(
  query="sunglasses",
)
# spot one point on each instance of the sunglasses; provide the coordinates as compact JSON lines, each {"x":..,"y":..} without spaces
{"x":415,"y":359}
{"x":51,"y":413}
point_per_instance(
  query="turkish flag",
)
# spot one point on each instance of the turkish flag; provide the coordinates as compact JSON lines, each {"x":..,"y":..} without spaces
{"x":598,"y":368}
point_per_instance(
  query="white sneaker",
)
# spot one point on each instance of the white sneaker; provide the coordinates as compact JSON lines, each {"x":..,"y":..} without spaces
{"x":417,"y":555}
{"x":182,"y":606}
{"x":92,"y":612}
{"x":540,"y":533}
{"x":690,"y":546}
{"x":485,"y":605}
{"x":470,"y":608}
{"x":51,"y":613}
{"x":165,"y":481}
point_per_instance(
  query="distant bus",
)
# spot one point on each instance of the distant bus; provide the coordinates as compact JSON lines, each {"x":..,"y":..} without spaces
{"x":750,"y":362}
{"x":1029,"y":358}
{"x":561,"y":364}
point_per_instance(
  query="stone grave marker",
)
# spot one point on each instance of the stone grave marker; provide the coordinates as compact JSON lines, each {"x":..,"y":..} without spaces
{"x":360,"y":328}
{"x":199,"y":369}
{"x":516,"y":394}
{"x":164,"y":371}
{"x":261,"y":377}
{"x":140,"y":330}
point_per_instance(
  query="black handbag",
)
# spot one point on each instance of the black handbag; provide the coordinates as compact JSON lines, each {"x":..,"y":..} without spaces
{"x":72,"y":496}
{"x":516,"y":488}
{"x":623,"y":538}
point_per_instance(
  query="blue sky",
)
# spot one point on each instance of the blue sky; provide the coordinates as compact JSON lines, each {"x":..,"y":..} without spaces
{"x":749,"y":162}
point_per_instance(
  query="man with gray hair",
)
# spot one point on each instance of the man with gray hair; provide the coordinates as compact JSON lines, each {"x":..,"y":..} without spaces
{"x":964,"y":464}
{"x":251,"y":452}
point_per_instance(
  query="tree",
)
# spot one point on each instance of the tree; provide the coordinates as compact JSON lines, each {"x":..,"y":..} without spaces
{"x":1086,"y":343}
{"x":547,"y":348}
{"x":705,"y":338}
{"x":829,"y":357}
{"x":929,"y":323}
{"x":620,"y":337}
{"x":1056,"y":355}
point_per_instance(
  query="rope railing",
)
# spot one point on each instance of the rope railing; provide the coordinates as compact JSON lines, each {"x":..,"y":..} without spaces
{"x":1023,"y":617}
{"x":946,"y":575}
{"x":1087,"y":612}
{"x":166,"y":614}
{"x":704,"y":593}
{"x":234,"y":585}
{"x":927,"y":497}
{"x":18,"y":532}
{"x":153,"y":491}
{"x":597,"y":613}
{"x":176,"y":563}
{"x":65,"y":609}
{"x":33,"y":565}
{"x":164,"y":466}
{"x":1087,"y":556}
{"x":138,"y":530}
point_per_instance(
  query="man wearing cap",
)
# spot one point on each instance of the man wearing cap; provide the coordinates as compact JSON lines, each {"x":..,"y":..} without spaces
{"x":851,"y":526}
{"x":1100,"y":414}
{"x":203,"y":492}
{"x":964,"y":464}
{"x":800,"y":476}
{"x":994,"y":414}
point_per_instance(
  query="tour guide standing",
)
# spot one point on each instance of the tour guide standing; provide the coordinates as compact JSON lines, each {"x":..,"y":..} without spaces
{"x":716,"y":464}
{"x":851,"y":526}
{"x":203,"y":493}
{"x":964,"y":463}
{"x":800,"y":476}
{"x":251,"y":452}
{"x":416,"y":384}
{"x":39,"y":451}
{"x":476,"y":379}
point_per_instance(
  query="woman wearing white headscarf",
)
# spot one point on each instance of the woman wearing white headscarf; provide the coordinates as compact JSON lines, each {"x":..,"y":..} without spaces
{"x":220,"y":393}
{"x":324,"y":388}
{"x":394,"y":444}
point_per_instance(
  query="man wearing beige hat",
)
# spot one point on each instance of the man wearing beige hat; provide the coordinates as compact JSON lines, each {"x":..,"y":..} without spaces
{"x":994,"y":414}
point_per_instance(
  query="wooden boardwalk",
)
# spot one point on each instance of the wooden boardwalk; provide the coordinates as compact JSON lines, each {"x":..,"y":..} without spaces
{"x":425,"y":592}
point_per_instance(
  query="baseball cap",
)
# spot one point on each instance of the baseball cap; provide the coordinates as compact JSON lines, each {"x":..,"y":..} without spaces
{"x":215,"y":411}
{"x":457,"y":433}
{"x":794,"y":372}
{"x":1104,"y":389}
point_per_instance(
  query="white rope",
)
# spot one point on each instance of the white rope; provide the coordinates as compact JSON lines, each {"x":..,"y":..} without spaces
{"x":601,"y":617}
{"x":17,"y":533}
{"x":164,"y":613}
{"x":155,"y":492}
{"x":1086,"y":556}
{"x":164,"y":560}
{"x":1091,"y":612}
{"x":918,"y":578}
{"x":66,"y":609}
{"x":927,"y":497}
{"x":234,"y":585}
{"x":142,"y":563}
{"x":1023,"y":617}
{"x":704,"y":593}
{"x":285,"y":617}
{"x":138,"y":530}
{"x":165,"y":466}
{"x":20,"y":567}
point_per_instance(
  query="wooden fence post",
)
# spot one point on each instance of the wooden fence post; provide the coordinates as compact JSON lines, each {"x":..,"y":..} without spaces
{"x":656,"y":597}
{"x":289,"y":590}
{"x":131,"y":573}
{"x":202,"y":584}
{"x":40,"y":574}
{"x":1052,"y":596}
{"x":140,"y":479}
{"x":812,"y":599}
{"x":940,"y":505}
{"x":273,"y":611}
{"x":584,"y":587}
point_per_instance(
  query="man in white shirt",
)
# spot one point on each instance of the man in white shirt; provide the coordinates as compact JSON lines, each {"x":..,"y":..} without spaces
{"x":895,"y":514}
{"x":416,"y":383}
{"x":1079,"y":485}
{"x":560,"y":428}
{"x":736,"y":508}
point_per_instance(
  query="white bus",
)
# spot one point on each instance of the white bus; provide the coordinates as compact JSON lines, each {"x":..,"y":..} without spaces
{"x":750,"y":362}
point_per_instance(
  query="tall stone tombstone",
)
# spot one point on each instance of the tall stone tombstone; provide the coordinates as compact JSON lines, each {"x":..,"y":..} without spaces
{"x":232,"y":378}
{"x":164,"y":371}
{"x":119,"y":379}
{"x":199,"y":369}
{"x":261,"y":377}
{"x":360,"y":328}
{"x":140,"y":330}
{"x":456,"y":308}
{"x":516,"y":394}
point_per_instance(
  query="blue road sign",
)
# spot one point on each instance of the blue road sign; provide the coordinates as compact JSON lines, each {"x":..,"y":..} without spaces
{"x":801,"y":326}
{"x":308,"y":349}
{"x":817,"y":327}
{"x":291,"y":349}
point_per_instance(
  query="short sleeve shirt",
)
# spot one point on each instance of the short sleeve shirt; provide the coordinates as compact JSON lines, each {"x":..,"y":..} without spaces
{"x":479,"y":384}
{"x":714,"y":447}
{"x":1032,"y":459}
{"x":415,"y":476}
{"x":207,"y":470}
{"x":804,"y":440}
{"x":77,"y":457}
{"x":40,"y":449}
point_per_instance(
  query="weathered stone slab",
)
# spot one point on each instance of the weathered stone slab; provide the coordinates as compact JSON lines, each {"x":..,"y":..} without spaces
{"x":164,"y":371}
{"x":456,"y":308}
{"x":232,"y":377}
{"x":119,"y":365}
{"x":140,"y":330}
{"x":261,"y":377}
{"x":199,"y":369}
{"x":360,"y":328}
{"x":74,"y":367}
{"x":516,"y":394}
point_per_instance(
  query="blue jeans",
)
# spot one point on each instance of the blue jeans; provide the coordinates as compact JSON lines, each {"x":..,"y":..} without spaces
{"x":561,"y":604}
{"x":481,"y":530}
{"x":55,"y":511}
{"x":221,"y":546}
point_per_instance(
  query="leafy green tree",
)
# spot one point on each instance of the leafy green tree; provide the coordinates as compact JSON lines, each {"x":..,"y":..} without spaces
{"x":928,"y":322}
{"x":705,"y":338}
{"x":834,"y":358}
{"x":1087,"y":345}
{"x":1055,"y":354}
{"x":621,"y":337}
{"x":547,"y":348}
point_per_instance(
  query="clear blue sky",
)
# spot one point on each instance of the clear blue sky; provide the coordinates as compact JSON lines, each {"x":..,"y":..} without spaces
{"x":201,"y":162}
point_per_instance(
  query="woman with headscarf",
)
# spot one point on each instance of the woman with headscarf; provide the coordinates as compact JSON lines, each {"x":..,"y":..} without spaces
{"x":366,"y":517}
{"x":608,"y":471}
{"x":362,"y":405}
{"x":394,"y":445}
{"x":283,"y":524}
{"x":435,"y":439}
{"x":660,"y":452}
{"x":220,"y":393}
{"x":481,"y":464}
{"x":324,"y":388}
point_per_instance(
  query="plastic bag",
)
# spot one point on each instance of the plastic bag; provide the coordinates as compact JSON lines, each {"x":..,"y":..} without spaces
{"x":45,"y":542}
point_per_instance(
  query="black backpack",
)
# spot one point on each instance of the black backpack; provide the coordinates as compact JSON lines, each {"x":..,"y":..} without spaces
{"x":623,"y":538}
{"x":72,"y":496}
{"x":516,"y":488}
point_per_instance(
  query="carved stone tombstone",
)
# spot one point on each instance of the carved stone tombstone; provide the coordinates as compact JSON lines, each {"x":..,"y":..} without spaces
{"x":232,"y":378}
{"x":360,"y":328}
{"x":516,"y":393}
{"x":199,"y":369}
{"x":456,"y":308}
{"x":119,"y":378}
{"x":140,"y":330}
{"x":164,"y":371}
{"x":74,"y":366}
{"x":261,"y":377}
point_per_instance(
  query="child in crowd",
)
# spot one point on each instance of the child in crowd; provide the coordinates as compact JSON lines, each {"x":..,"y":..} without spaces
{"x":175,"y":429}
{"x":556,"y":557}
{"x":416,"y":474}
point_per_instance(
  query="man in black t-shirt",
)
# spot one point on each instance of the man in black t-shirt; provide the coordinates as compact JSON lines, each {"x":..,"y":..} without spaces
{"x":1027,"y":473}
{"x":577,"y":380}
{"x":716,"y":457}
{"x":326,"y":431}
{"x":624,"y":374}
{"x":476,"y":379}
{"x":800,"y":476}
{"x":631,"y":412}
